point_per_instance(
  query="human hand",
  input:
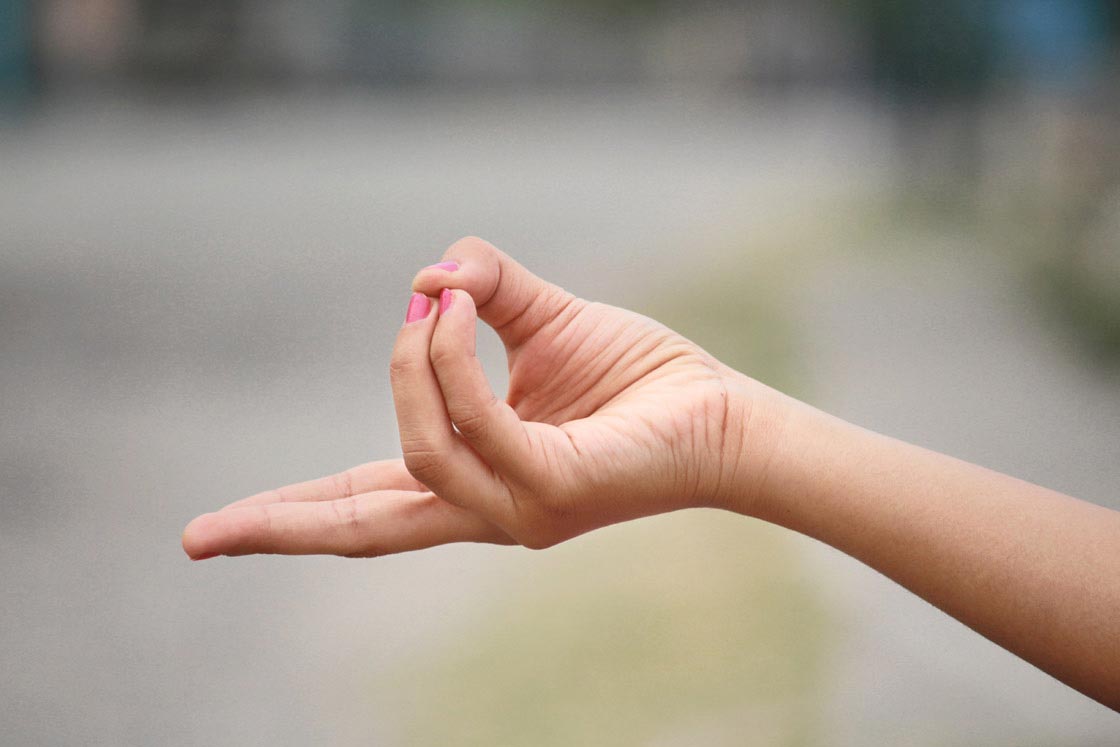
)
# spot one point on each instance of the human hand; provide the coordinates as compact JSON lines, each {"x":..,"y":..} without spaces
{"x":610,"y":416}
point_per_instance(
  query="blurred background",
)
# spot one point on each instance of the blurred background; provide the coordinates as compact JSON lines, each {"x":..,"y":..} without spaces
{"x":209,"y":215}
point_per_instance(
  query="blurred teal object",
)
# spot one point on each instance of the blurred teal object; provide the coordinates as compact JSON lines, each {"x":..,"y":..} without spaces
{"x":930,"y":50}
{"x":15,"y":50}
{"x":1060,"y":43}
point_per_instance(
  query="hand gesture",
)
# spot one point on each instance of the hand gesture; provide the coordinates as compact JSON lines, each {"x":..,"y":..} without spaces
{"x":610,"y":416}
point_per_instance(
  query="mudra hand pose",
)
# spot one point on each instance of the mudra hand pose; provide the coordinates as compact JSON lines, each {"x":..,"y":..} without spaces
{"x":611,"y":416}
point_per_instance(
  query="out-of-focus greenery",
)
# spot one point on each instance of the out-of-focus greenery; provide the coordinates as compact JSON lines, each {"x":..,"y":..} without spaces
{"x":591,"y":7}
{"x":942,"y":49}
{"x":689,"y":626}
{"x":605,"y":7}
{"x":733,"y":306}
{"x":1091,"y":311}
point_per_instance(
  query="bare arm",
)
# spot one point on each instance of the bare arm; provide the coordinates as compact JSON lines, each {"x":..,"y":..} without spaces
{"x":611,"y":417}
{"x":1035,"y":571}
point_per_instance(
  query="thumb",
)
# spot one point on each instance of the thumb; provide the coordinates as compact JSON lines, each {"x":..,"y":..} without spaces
{"x":512,"y":300}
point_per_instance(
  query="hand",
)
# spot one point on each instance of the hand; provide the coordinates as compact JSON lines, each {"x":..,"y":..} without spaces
{"x":610,"y":416}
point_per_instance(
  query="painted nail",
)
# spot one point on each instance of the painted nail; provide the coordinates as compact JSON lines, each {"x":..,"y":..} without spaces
{"x":418,"y":308}
{"x":446,"y":266}
{"x":445,"y":298}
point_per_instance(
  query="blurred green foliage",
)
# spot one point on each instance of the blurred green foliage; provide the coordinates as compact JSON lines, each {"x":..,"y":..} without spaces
{"x":602,"y":8}
{"x":945,"y":48}
{"x":747,"y":328}
{"x":689,"y":626}
{"x":1089,"y":309}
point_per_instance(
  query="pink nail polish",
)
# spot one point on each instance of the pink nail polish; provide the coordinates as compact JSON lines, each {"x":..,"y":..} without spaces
{"x":418,"y":308}
{"x":445,"y":299}
{"x":446,"y":266}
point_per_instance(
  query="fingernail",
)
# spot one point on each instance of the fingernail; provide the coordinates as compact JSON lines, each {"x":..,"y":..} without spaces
{"x":446,"y":266}
{"x":418,"y":308}
{"x":207,"y":556}
{"x":445,"y":298}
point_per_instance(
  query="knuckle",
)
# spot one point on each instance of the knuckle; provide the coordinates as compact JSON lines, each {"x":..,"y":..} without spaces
{"x":473,"y":244}
{"x":538,"y":538}
{"x":346,"y":514}
{"x":442,"y":353}
{"x":472,"y":421}
{"x":543,"y":522}
{"x":422,"y":462}
{"x":258,"y":529}
{"x":343,"y":484}
{"x":402,"y":368}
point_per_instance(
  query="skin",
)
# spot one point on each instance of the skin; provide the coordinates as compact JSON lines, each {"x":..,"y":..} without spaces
{"x":611,"y":416}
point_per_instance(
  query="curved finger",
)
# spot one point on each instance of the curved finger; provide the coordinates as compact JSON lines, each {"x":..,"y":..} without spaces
{"x":512,"y":300}
{"x":367,"y":525}
{"x":387,"y":474}
{"x":487,"y":423}
{"x":433,"y":452}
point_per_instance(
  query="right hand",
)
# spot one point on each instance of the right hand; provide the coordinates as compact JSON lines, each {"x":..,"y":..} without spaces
{"x":610,"y":416}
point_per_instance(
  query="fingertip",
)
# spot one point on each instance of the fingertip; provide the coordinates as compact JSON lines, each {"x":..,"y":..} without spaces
{"x":470,"y":262}
{"x":456,"y":322}
{"x":419,"y":306}
{"x":196,"y":538}
{"x":431,"y":278}
{"x":453,"y":299}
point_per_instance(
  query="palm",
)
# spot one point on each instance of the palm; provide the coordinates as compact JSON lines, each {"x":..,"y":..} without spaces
{"x":572,"y":365}
{"x":586,"y":356}
{"x":625,"y":393}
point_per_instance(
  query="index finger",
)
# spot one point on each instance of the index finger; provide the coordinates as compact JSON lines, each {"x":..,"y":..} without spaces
{"x":367,"y":525}
{"x":387,"y":474}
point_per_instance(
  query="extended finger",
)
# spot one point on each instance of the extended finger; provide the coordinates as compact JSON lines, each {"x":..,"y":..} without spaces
{"x":388,"y":474}
{"x":367,"y":525}
{"x":487,"y":423}
{"x":512,"y":300}
{"x":433,"y":452}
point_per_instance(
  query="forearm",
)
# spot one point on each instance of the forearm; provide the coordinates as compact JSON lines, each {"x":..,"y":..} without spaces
{"x":1035,"y":571}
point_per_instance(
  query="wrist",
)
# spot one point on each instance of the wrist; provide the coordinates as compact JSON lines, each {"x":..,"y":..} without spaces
{"x":772,"y":449}
{"x":755,"y":432}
